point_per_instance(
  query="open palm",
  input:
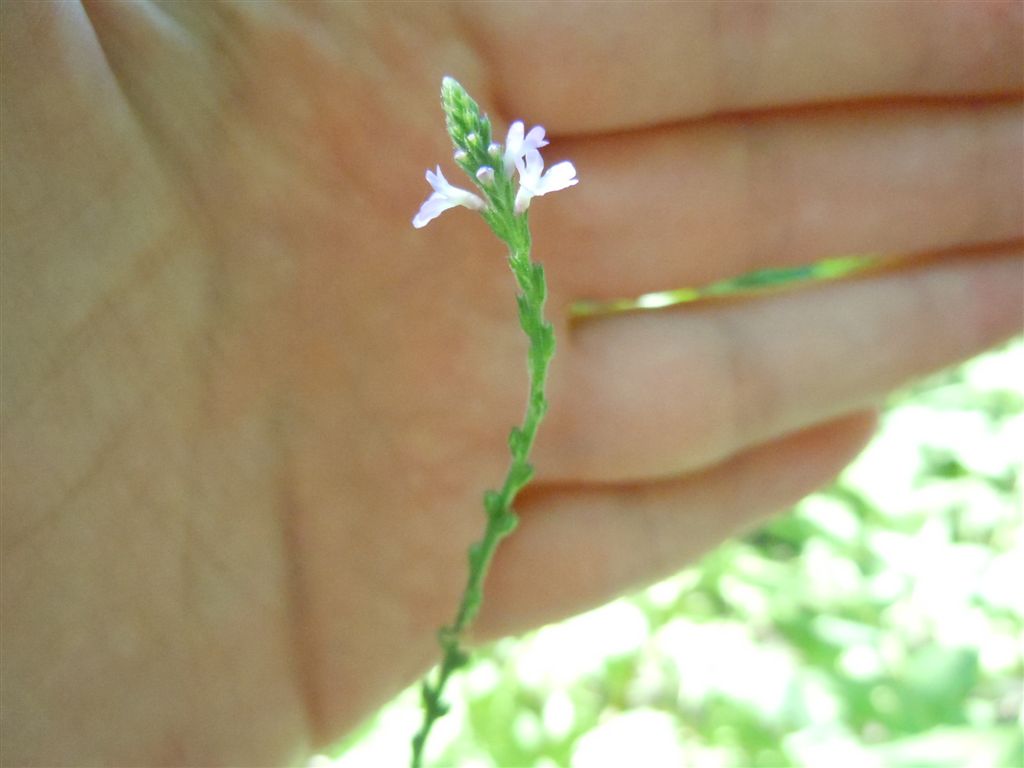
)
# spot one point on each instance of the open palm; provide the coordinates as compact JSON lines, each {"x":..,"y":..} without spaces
{"x":249,"y":412}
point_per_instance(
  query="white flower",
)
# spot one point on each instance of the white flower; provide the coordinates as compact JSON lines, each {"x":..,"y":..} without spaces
{"x":445,"y":196}
{"x":517,"y":145}
{"x":534,"y":183}
{"x":521,"y":152}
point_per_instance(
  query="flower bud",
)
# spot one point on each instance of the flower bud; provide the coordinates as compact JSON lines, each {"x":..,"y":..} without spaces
{"x":485,"y":175}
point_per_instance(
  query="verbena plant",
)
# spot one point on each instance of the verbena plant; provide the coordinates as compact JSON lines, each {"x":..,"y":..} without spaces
{"x":507,"y":177}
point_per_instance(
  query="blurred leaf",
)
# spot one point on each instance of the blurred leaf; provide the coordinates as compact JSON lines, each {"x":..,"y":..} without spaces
{"x":491,"y":717}
{"x":942,"y":463}
{"x":999,"y":747}
{"x":937,"y":682}
{"x":738,"y":725}
{"x":783,"y":538}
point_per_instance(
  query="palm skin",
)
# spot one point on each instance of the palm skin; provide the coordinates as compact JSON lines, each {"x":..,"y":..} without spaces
{"x":249,"y":412}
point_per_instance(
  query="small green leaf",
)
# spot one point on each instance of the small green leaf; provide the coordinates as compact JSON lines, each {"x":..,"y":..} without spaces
{"x":537,"y":279}
{"x":527,"y":320}
{"x":493,"y":503}
{"x":507,"y":523}
{"x":516,"y":442}
{"x":519,"y":475}
{"x":458,"y":658}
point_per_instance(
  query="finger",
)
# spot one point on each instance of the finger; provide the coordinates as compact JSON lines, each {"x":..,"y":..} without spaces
{"x":656,"y":394}
{"x":578,"y":548}
{"x":612,"y":66}
{"x":685,"y":206}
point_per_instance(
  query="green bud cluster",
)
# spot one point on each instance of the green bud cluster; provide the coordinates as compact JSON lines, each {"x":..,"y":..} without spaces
{"x":482,"y":159}
{"x":469,"y":128}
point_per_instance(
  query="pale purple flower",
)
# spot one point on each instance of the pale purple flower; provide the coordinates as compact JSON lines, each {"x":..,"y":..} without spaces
{"x":534,"y":182}
{"x":518,"y":145}
{"x":445,"y":196}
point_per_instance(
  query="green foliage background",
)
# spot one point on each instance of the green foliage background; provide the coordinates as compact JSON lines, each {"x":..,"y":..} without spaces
{"x":879,"y":623}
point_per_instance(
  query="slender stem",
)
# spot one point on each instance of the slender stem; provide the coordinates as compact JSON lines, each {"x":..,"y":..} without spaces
{"x":501,"y":519}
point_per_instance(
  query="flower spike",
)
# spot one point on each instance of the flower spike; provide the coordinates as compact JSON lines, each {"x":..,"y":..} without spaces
{"x":502,"y":203}
{"x":492,"y":167}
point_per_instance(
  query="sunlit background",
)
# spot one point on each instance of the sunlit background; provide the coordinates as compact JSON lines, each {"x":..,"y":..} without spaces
{"x":879,"y":623}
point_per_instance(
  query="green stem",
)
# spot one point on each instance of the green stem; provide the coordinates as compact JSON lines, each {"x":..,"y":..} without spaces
{"x":501,"y":519}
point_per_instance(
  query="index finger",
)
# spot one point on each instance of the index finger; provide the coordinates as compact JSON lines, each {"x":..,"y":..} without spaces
{"x":614,"y":66}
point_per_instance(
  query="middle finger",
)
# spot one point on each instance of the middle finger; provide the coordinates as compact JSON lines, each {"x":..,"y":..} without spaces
{"x":687,"y":205}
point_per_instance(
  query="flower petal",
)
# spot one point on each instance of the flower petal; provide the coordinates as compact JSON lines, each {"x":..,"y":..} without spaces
{"x":523,"y":198}
{"x":535,"y":138}
{"x":439,"y":182}
{"x":467,"y":199}
{"x":445,"y":196}
{"x":530,"y":168}
{"x":457,"y":195}
{"x":516,"y":131}
{"x":432,"y":207}
{"x":559,"y":176}
{"x":513,"y":145}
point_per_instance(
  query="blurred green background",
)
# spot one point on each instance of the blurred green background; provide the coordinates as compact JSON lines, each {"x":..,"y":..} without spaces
{"x":879,"y":623}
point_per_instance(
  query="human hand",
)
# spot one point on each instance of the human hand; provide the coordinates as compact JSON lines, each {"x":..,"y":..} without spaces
{"x":252,"y":412}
